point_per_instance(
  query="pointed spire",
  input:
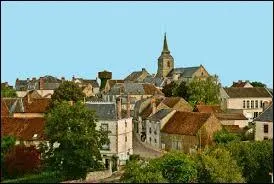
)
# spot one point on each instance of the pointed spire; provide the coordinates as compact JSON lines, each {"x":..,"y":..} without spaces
{"x":165,"y":47}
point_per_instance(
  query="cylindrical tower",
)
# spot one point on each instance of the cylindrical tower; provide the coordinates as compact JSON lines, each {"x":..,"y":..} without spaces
{"x":104,"y":76}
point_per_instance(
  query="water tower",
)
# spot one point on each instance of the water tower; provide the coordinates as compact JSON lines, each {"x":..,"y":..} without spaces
{"x":104,"y":76}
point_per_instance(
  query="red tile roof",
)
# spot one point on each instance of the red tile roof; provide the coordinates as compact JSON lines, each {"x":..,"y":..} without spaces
{"x":207,"y":108}
{"x":185,"y":123}
{"x":23,"y":128}
{"x":230,"y":116}
{"x":36,"y":106}
{"x":4,"y":108}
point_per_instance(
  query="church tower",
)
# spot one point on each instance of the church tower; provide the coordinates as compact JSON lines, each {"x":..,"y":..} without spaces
{"x":165,"y":61}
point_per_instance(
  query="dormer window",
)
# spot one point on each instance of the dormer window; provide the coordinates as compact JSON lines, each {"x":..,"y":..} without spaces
{"x":35,"y":136}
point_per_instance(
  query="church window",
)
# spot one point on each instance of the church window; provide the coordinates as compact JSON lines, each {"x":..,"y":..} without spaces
{"x":168,"y":63}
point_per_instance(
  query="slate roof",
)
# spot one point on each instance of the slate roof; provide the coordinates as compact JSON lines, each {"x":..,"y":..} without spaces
{"x":94,"y":82}
{"x":134,"y":76}
{"x":51,"y":79}
{"x":23,"y":128}
{"x":234,"y":92}
{"x":148,"y":110}
{"x":103,"y":110}
{"x":207,"y":108}
{"x":157,"y":81}
{"x":160,"y":114}
{"x":185,"y":72}
{"x":135,"y":89}
{"x":230,"y":116}
{"x":113,"y":82}
{"x":267,"y":115}
{"x":185,"y":123}
{"x":233,"y":128}
{"x":239,"y":84}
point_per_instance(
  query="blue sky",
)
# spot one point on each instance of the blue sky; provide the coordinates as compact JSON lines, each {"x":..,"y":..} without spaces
{"x":231,"y":39}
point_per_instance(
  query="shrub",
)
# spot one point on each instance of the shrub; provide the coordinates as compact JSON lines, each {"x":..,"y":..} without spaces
{"x":21,"y":160}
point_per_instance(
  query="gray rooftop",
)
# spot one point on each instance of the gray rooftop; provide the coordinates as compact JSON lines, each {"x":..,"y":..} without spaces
{"x":103,"y":110}
{"x":185,"y":72}
{"x":267,"y":115}
{"x":160,"y":114}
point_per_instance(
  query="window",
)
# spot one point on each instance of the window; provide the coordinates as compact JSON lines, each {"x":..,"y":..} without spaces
{"x":104,"y":127}
{"x":252,"y":104}
{"x":150,"y":130}
{"x":125,"y":124}
{"x":155,"y":140}
{"x":126,"y":139}
{"x":168,"y":63}
{"x":265,"y":128}
{"x":256,"y":104}
{"x":244,"y":104}
{"x":150,"y":139}
{"x":247,"y":105}
{"x":255,"y":114}
{"x":261,"y":103}
{"x":265,"y":138}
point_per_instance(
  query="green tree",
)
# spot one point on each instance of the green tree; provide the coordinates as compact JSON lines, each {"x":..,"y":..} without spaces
{"x":67,"y":91}
{"x":178,"y":167}
{"x":138,"y":171}
{"x":8,"y":92}
{"x":169,"y":88}
{"x":223,"y":136}
{"x":218,"y":166}
{"x":206,"y":91}
{"x":257,"y":84}
{"x":7,"y":142}
{"x":255,"y":158}
{"x":181,"y":90}
{"x":74,"y":128}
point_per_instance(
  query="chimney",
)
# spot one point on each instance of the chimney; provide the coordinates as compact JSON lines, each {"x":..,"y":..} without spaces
{"x":73,"y":78}
{"x":143,"y":69}
{"x":153,"y":105}
{"x":29,"y":97}
{"x":119,"y":107}
{"x":128,"y":107}
{"x":27,"y":79}
{"x":17,"y":79}
{"x":34,"y":78}
{"x":62,"y":79}
{"x":240,"y":81}
{"x":41,"y":83}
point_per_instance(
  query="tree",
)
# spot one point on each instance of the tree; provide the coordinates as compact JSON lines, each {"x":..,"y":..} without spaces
{"x":178,"y":167}
{"x":138,"y":171}
{"x":7,"y":142}
{"x":181,"y":90}
{"x":206,"y":91}
{"x":74,"y":128}
{"x":255,"y":158}
{"x":257,"y":84}
{"x":218,"y":166}
{"x":21,"y":160}
{"x":223,"y":136}
{"x":169,"y":88}
{"x":67,"y":91}
{"x":7,"y":91}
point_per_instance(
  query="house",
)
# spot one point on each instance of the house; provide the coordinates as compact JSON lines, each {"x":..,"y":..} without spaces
{"x":242,"y":84}
{"x":250,"y":100}
{"x":26,"y":107}
{"x":111,"y":117}
{"x":264,"y":125}
{"x":110,"y":83}
{"x":89,"y":87}
{"x":187,"y":131}
{"x":232,"y":119}
{"x":137,"y":76}
{"x":44,"y":85}
{"x":207,"y":108}
{"x":151,"y":106}
{"x":136,"y":91}
{"x":166,"y":72}
{"x":29,"y":131}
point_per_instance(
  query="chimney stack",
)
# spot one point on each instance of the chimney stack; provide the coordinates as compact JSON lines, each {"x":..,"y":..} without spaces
{"x":143,"y":69}
{"x":41,"y":83}
{"x":27,"y":79}
{"x":153,"y":105}
{"x":128,"y":107}
{"x":119,"y":107}
{"x":33,"y":78}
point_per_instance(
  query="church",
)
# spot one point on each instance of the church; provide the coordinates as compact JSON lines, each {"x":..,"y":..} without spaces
{"x":166,"y":72}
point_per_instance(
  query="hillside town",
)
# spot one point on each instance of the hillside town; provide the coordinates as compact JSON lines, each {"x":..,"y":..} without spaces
{"x":139,"y":115}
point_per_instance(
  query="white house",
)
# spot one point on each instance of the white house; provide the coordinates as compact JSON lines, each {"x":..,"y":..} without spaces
{"x":119,"y":124}
{"x":264,"y":125}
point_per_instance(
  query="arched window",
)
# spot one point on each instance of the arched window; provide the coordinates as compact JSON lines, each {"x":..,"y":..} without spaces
{"x":168,"y":63}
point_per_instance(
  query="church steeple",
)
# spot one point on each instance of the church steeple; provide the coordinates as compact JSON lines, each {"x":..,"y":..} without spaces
{"x":165,"y":61}
{"x":165,"y":47}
